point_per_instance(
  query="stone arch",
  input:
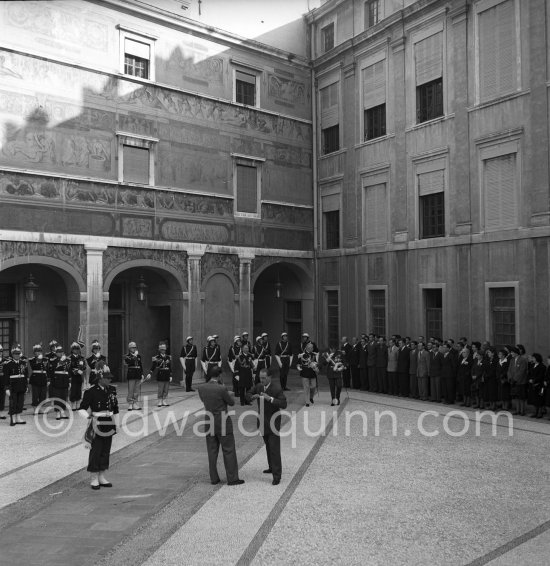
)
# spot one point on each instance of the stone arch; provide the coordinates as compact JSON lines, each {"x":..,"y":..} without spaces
{"x":146,"y":263}
{"x":219,"y":270}
{"x":299,"y":269}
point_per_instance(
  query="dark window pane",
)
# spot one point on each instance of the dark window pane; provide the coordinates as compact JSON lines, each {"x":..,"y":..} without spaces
{"x":294,"y":311}
{"x":332,"y":229}
{"x":372,"y":13}
{"x":245,"y":88}
{"x":503,"y":315}
{"x":247,"y":189}
{"x":432,"y":212}
{"x":136,"y":66}
{"x":433,"y":300}
{"x":7,"y":297}
{"x":333,"y":316}
{"x":375,"y":122}
{"x":135,"y":163}
{"x":327,"y":34}
{"x":429,"y":100}
{"x":331,"y":139}
{"x":378,"y":311}
{"x":7,"y":338}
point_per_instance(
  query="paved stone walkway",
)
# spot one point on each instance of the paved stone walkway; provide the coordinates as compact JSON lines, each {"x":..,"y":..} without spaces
{"x":378,"y":495}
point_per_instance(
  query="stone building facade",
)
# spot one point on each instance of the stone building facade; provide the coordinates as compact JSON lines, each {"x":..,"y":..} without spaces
{"x":431,"y":137}
{"x":142,"y":150}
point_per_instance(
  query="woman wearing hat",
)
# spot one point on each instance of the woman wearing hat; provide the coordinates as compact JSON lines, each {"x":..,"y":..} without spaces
{"x":15,"y":375}
{"x":134,"y":376}
{"x":100,"y":404}
{"x":77,"y":368}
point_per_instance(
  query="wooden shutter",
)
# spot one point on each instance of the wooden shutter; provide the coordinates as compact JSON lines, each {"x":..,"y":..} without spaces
{"x":374,"y":85}
{"x":245,"y":77}
{"x":428,"y":57}
{"x":376,"y":213}
{"x":137,"y":48}
{"x":330,"y":203}
{"x":247,"y":189}
{"x":329,"y":106}
{"x":430,"y":183}
{"x":497,"y":51}
{"x":135,"y":162}
{"x":500,"y":192}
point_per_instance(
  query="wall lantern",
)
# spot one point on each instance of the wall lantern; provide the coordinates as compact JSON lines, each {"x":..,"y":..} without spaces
{"x":141,"y":290}
{"x":31,"y":289}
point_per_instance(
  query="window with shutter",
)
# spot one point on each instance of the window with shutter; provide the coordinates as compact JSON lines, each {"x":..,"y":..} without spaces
{"x":135,"y":161}
{"x":500,"y":189}
{"x":428,"y":58}
{"x":431,"y":187}
{"x":333,"y":319}
{"x":374,"y":84}
{"x":330,"y":109}
{"x":433,"y":305}
{"x":330,"y":205}
{"x":137,"y":56}
{"x":247,"y":188}
{"x":372,"y":13}
{"x":245,"y":88}
{"x":376,"y":228}
{"x":378,"y":311}
{"x":497,"y":51}
{"x":327,"y":37}
{"x":503,"y":315}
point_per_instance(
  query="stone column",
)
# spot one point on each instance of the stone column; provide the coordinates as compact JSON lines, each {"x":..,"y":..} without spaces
{"x":96,"y":327}
{"x":194,"y":288}
{"x":245,"y":292}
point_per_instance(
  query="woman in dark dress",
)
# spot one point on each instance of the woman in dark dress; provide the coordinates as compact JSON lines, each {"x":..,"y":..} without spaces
{"x":244,"y":367}
{"x":535,"y":378}
{"x":504,"y":393}
{"x":490,"y":385}
{"x":477,"y":380}
{"x":464,"y":376}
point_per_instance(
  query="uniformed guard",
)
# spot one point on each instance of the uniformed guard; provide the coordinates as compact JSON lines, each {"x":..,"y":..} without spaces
{"x":38,"y":366}
{"x":162,"y":364}
{"x":262,"y":355}
{"x":309,"y":368}
{"x":134,"y":376}
{"x":245,"y":340}
{"x":211,"y":355}
{"x":305,"y":341}
{"x":232,"y":355}
{"x":283,"y":355}
{"x":100,"y":404}
{"x":50,"y":356}
{"x":3,"y":385}
{"x":94,"y":358}
{"x":244,"y":367}
{"x":188,"y":360}
{"x":61,"y":382}
{"x":16,"y":370}
{"x":77,"y":370}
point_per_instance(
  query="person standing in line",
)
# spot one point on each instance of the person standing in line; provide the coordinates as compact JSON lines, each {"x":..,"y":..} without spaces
{"x":374,"y":386}
{"x":244,"y":368}
{"x":77,"y":369}
{"x":16,"y":373}
{"x":162,"y":365}
{"x":94,"y":358}
{"x":211,"y":356}
{"x":382,"y":365}
{"x":245,"y":340}
{"x":283,"y":356}
{"x":216,"y":399}
{"x":188,"y":360}
{"x":333,"y":361}
{"x":476,"y":388}
{"x":413,"y":366}
{"x":517,"y":375}
{"x":423,"y":372}
{"x":464,"y":376}
{"x":232,"y":355}
{"x":490,"y":385}
{"x":403,"y":363}
{"x":261,"y":354}
{"x":393,"y":353}
{"x":504,"y":396}
{"x":448,"y":375}
{"x":435,"y":374}
{"x":354,"y":364}
{"x":3,"y":385}
{"x":100,"y":404}
{"x":536,"y":378}
{"x":363,"y":371}
{"x":271,"y":399}
{"x":61,"y":382}
{"x":38,"y":379}
{"x":134,"y":376}
{"x":51,"y":356}
{"x":309,"y":369}
{"x":345,"y":353}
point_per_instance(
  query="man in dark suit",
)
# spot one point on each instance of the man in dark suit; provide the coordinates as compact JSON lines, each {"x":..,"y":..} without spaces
{"x":346,"y":351}
{"x":403,"y":363}
{"x":216,"y":398}
{"x":448,"y":375}
{"x":271,"y":400}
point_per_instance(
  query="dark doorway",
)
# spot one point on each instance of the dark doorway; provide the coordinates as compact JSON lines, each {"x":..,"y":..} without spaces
{"x":115,"y":350}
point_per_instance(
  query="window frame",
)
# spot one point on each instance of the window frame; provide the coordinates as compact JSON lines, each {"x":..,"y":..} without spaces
{"x":335,"y":137}
{"x":336,"y":290}
{"x":255,"y":72}
{"x":423,"y":199}
{"x":323,"y":36}
{"x":489,"y":312}
{"x":383,"y":123}
{"x":337,"y":214}
{"x":136,"y":140}
{"x":366,"y":15}
{"x":423,"y":296}
{"x":248,"y":161}
{"x":141,"y":37}
{"x":421,"y":92}
{"x":370,"y":318}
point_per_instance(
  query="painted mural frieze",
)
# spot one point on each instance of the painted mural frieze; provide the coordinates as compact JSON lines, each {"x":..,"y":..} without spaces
{"x":287,"y":91}
{"x":226,"y":262}
{"x":69,"y":253}
{"x":113,"y":257}
{"x":281,"y":214}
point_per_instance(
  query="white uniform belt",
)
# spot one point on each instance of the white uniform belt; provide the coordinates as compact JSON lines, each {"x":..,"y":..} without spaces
{"x":284,"y":356}
{"x":39,"y":371}
{"x":103,"y":414}
{"x":61,"y":372}
{"x":16,"y":376}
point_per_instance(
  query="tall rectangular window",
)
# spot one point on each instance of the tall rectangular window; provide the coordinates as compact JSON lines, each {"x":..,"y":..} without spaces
{"x":378,"y":311}
{"x":331,"y":223}
{"x":330,"y":112}
{"x":503,"y":315}
{"x":372,"y":13}
{"x":327,"y":37}
{"x":376,"y":223}
{"x":7,"y":297}
{"x":498,"y":50}
{"x":433,"y":304}
{"x":135,"y":162}
{"x":333,"y":319}
{"x":7,"y":333}
{"x":431,"y":187}
{"x":245,"y":88}
{"x":374,"y":100}
{"x":500,"y":192}
{"x":137,"y":57}
{"x":428,"y":56}
{"x":247,"y":188}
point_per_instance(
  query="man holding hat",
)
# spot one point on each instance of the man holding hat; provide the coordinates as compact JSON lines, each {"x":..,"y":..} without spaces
{"x":283,"y":355}
{"x":162,"y":364}
{"x":77,"y":369}
{"x":3,"y":385}
{"x":15,"y":375}
{"x":93,"y":360}
{"x":232,"y":356}
{"x":60,"y":382}
{"x":211,"y":355}
{"x":188,"y":360}
{"x":38,"y":380}
{"x":100,"y":404}
{"x":134,"y":376}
